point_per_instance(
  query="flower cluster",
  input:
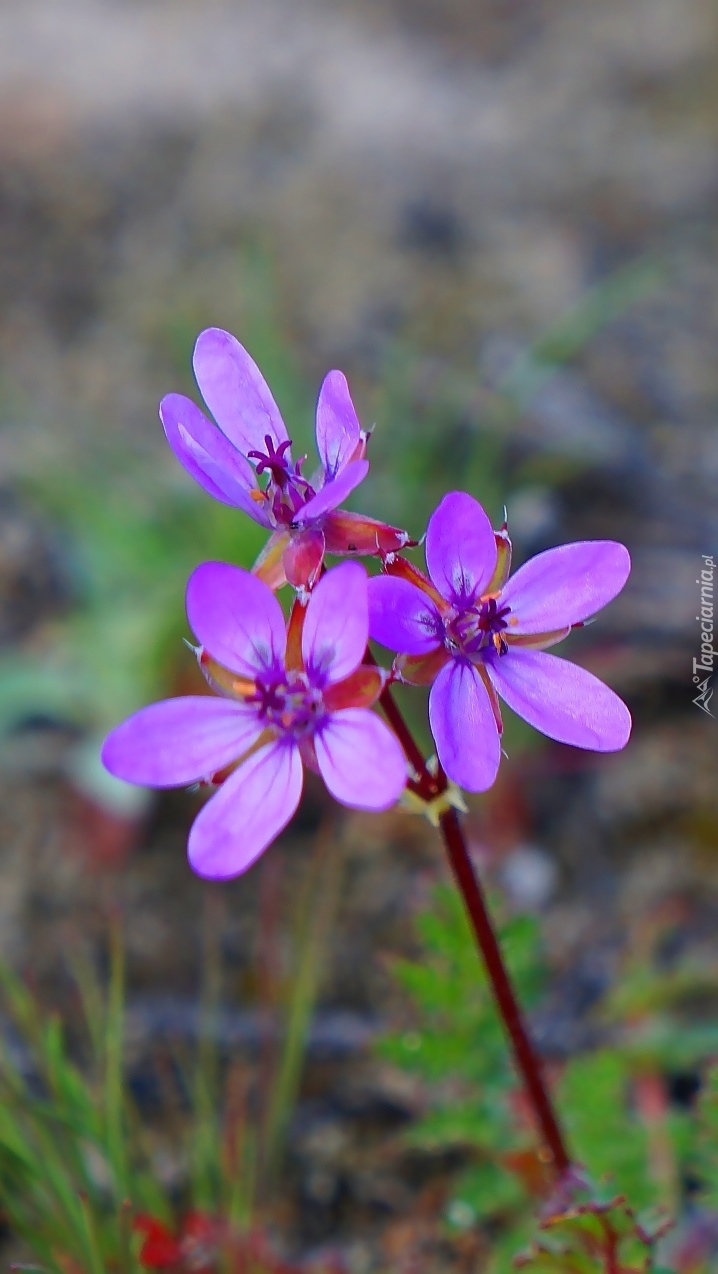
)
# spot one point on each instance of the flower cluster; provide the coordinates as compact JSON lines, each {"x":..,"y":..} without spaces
{"x":300,"y":692}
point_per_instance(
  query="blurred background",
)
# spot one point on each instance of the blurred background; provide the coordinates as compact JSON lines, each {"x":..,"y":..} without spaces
{"x":498,"y":218}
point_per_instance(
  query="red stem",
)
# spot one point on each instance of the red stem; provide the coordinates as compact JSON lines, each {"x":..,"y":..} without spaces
{"x":525,"y":1057}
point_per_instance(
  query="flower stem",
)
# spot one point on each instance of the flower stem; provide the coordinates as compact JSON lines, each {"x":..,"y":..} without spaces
{"x":527,"y":1062}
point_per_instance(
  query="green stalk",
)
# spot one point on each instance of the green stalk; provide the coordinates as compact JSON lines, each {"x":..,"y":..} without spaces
{"x":114,"y":1095}
{"x":315,"y":915}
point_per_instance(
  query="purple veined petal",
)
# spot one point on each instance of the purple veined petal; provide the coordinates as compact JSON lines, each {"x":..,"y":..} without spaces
{"x":566,"y":585}
{"x":338,"y":430}
{"x":236,"y":392}
{"x":360,"y":760}
{"x":333,"y":493}
{"x":237,"y":618}
{"x":464,"y":728}
{"x":402,"y":617}
{"x":460,"y":548}
{"x":336,"y":625}
{"x":561,"y":700}
{"x":179,"y":741}
{"x":209,"y":457}
{"x":250,"y":809}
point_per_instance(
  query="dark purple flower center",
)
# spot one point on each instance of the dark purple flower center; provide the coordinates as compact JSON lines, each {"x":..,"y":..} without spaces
{"x":475,"y":629}
{"x":286,"y":489}
{"x":291,"y":705}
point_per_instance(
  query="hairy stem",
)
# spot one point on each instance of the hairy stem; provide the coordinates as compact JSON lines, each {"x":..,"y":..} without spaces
{"x":527,"y":1062}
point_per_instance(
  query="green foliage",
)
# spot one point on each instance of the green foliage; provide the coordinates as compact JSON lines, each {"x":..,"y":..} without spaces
{"x":613,"y":1101}
{"x":64,"y":1135}
{"x":458,"y":1042}
{"x":78,"y":1161}
{"x":589,"y":1232}
{"x":706,"y":1159}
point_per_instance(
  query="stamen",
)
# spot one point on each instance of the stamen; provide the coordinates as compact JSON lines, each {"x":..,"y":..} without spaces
{"x":480,"y":627}
{"x":293,"y":706}
{"x":287,"y":490}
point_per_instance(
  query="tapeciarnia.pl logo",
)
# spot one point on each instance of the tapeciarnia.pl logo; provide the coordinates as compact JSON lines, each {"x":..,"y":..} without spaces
{"x":703,"y":667}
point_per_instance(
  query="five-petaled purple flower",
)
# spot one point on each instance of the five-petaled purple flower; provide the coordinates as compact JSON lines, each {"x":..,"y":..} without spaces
{"x":289,"y":697}
{"x":473,"y":633}
{"x":252,"y":444}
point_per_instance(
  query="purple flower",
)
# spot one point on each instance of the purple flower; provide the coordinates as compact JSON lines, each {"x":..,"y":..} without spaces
{"x":289,"y":697}
{"x":473,"y":634}
{"x":248,"y":462}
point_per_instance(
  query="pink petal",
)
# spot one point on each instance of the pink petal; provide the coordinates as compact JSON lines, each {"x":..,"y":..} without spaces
{"x":402,"y":617}
{"x":566,"y":585}
{"x":338,"y":428}
{"x":336,"y":626}
{"x":237,"y":618}
{"x":464,"y":728}
{"x":562,"y":700}
{"x":250,"y":809}
{"x":360,"y":760}
{"x":236,"y":392}
{"x":179,"y":741}
{"x":333,"y":493}
{"x":208,"y":456}
{"x":460,"y":548}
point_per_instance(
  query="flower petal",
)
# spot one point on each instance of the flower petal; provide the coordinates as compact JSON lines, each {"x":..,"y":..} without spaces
{"x":460,"y":548}
{"x":402,"y":568}
{"x":338,"y":428}
{"x":333,"y":493}
{"x":566,"y":585}
{"x":237,"y":617}
{"x":353,"y":533}
{"x":250,"y":809}
{"x":360,"y":760}
{"x":336,"y":627}
{"x":462,"y":723}
{"x":179,"y":741}
{"x":236,"y":392}
{"x":562,"y":700}
{"x":402,"y":617}
{"x":536,"y":641}
{"x":209,"y":457}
